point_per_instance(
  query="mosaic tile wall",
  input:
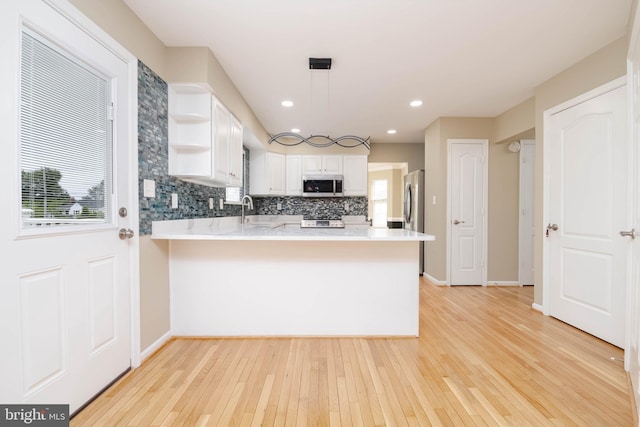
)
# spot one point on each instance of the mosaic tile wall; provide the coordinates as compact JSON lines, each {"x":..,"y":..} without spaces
{"x":193,"y":199}
{"x":153,"y":162}
{"x":311,"y":208}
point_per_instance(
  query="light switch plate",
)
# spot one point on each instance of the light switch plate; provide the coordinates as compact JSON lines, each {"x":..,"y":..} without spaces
{"x":221,"y":204}
{"x":149,"y":188}
{"x":210,"y":202}
{"x":174,"y":200}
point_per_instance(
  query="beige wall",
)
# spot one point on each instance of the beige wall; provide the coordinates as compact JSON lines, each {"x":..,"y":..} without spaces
{"x":154,"y":290}
{"x":436,"y":137}
{"x":394,"y":177}
{"x":412,"y":154}
{"x":395,"y":211}
{"x":503,"y":188}
{"x":198,"y":64}
{"x":603,"y":66}
{"x":503,"y":220}
{"x":516,"y":120}
{"x":115,"y":18}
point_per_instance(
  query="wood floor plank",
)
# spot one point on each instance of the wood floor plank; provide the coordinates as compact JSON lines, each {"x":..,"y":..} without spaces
{"x":484,"y":357}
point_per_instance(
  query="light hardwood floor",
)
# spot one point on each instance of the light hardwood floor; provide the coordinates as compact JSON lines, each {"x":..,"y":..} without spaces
{"x":484,"y":357}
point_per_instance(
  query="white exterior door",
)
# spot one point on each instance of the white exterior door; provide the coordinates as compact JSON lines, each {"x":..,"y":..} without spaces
{"x":587,"y":157}
{"x":65,"y":284}
{"x":467,"y":207}
{"x":527,"y":227}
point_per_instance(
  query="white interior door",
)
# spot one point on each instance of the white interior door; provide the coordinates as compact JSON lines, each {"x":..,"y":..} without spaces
{"x":65,"y":294}
{"x":632,"y":353}
{"x":587,"y":158}
{"x":527,"y":227}
{"x":467,"y":207}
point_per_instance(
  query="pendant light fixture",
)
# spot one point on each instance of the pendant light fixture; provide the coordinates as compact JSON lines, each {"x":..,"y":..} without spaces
{"x":291,"y":139}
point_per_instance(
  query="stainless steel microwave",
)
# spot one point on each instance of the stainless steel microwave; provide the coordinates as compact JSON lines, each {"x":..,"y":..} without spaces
{"x":322,"y":186}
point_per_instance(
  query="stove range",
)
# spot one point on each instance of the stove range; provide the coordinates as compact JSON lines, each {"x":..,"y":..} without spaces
{"x":321,"y":223}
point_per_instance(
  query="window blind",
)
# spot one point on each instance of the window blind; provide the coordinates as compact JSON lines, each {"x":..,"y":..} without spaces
{"x":65,"y":137}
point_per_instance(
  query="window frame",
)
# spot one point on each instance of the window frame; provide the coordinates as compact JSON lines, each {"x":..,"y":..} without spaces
{"x":65,"y":226}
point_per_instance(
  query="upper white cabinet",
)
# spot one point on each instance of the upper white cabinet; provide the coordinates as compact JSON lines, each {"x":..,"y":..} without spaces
{"x":293,"y":175}
{"x":329,"y":164}
{"x":221,"y":141}
{"x":189,"y":131}
{"x":267,"y":173}
{"x":235,"y":154}
{"x":355,"y":175}
{"x":205,"y":140}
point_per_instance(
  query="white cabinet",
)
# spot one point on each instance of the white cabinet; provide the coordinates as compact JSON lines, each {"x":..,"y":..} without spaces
{"x":221,"y":136}
{"x":267,"y":173}
{"x":235,"y":154}
{"x":293,"y":175}
{"x":355,"y":175}
{"x":329,"y":164}
{"x":189,"y":131}
{"x":227,"y":146}
{"x":205,"y":140}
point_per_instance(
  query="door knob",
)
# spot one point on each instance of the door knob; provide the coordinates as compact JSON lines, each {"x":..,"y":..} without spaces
{"x":631,"y":233}
{"x":125,"y":233}
{"x":553,"y":227}
{"x":456,"y":222}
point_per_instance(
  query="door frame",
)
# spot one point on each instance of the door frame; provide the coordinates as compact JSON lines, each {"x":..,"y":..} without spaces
{"x":546,"y":118}
{"x":521,"y":231}
{"x":72,"y":14}
{"x":485,"y":199}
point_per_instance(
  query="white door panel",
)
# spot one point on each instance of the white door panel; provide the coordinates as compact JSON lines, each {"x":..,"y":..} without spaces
{"x":632,"y":354}
{"x":65,"y":294}
{"x":588,"y":203}
{"x":467,"y":180}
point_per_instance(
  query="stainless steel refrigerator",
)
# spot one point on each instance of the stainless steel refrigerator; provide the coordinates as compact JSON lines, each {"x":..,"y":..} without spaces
{"x":414,"y":207}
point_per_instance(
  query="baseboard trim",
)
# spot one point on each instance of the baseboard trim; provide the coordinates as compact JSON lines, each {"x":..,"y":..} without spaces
{"x":537,"y":307}
{"x":147,"y":352}
{"x":434,"y":280}
{"x":502,"y":283}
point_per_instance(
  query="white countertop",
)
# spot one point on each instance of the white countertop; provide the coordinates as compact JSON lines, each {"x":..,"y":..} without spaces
{"x":284,"y":228}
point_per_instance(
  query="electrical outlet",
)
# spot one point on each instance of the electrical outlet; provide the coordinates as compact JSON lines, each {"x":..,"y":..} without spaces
{"x":346,"y":207}
{"x":149,"y":188}
{"x":174,"y":200}
{"x":279,"y":206}
{"x":210,"y":202}
{"x":221,"y":204}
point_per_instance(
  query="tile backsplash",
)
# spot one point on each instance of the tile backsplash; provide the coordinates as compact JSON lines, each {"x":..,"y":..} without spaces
{"x":311,"y":208}
{"x":193,"y":199}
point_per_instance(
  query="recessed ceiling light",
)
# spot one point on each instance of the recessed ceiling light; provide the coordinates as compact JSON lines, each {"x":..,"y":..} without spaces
{"x":295,"y":130}
{"x":287,"y":103}
{"x":391,"y":131}
{"x":416,"y":103}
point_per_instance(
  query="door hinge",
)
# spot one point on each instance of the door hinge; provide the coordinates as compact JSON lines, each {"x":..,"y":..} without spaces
{"x":111,"y":113}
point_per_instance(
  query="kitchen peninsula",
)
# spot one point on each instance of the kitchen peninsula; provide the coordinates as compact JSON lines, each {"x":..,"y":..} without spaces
{"x":270,"y":277}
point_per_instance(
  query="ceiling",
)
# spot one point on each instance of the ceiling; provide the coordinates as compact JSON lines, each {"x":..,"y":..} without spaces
{"x":460,"y":57}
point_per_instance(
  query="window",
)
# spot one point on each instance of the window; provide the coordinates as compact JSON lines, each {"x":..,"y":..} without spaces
{"x":379,"y":199}
{"x":65,"y":138}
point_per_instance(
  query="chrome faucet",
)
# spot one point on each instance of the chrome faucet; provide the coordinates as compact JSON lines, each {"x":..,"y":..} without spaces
{"x":248,"y":202}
